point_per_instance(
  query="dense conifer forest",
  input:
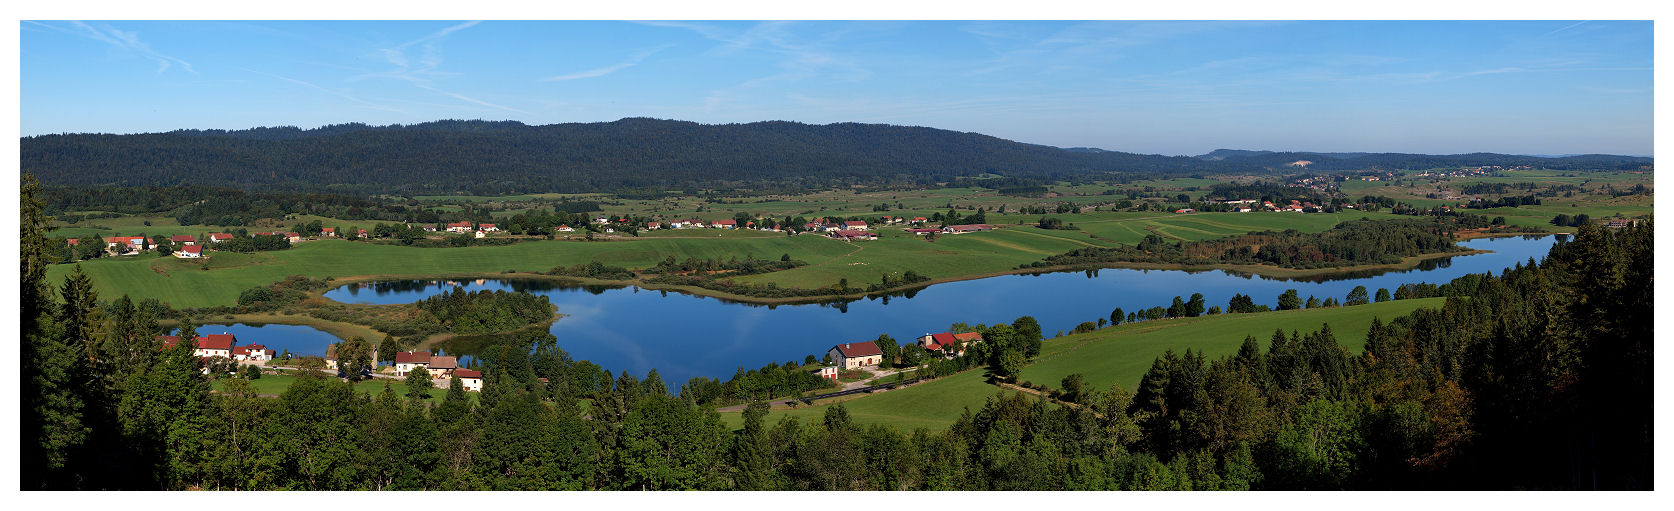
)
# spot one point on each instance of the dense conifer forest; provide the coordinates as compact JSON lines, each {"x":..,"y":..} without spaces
{"x":630,"y":154}
{"x":1539,"y":378}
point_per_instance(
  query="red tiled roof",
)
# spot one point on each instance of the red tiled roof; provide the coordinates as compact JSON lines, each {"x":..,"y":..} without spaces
{"x":725,"y":222}
{"x":192,"y":249}
{"x":412,"y":357}
{"x":182,"y":238}
{"x":487,"y":226}
{"x":246,"y":350}
{"x":74,"y":241}
{"x":939,"y":340}
{"x":859,"y":349}
{"x":444,"y":362}
{"x":328,"y":229}
{"x":968,"y":336}
{"x":854,"y":223}
{"x":468,"y":373}
{"x":211,"y":342}
{"x":217,"y":342}
{"x":220,"y":236}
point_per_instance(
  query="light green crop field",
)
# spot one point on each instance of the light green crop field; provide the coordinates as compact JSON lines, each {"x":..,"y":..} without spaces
{"x":1121,"y":354}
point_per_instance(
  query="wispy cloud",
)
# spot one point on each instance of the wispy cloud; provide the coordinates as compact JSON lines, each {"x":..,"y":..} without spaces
{"x":801,"y":56}
{"x":423,"y":71}
{"x":1565,"y":27}
{"x":125,"y":41}
{"x":338,"y":93}
{"x":595,"y":73}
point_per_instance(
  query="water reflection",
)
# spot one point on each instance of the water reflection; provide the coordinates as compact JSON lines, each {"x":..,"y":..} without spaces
{"x":683,"y":335}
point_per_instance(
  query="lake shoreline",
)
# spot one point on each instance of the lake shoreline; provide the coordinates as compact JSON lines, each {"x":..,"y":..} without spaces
{"x":1273,"y":272}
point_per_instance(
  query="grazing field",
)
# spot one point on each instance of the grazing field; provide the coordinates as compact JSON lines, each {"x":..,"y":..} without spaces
{"x":1118,"y":355}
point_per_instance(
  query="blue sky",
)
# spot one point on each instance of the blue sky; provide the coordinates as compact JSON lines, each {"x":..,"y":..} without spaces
{"x":1531,"y":87}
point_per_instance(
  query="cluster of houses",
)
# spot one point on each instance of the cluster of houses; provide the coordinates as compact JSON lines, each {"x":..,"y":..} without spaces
{"x":440,"y":367}
{"x":222,"y":345}
{"x":863,"y":354}
{"x":185,"y":245}
{"x":480,"y":230}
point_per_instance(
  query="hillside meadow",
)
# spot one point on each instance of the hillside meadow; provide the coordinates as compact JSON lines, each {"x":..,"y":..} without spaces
{"x":1112,"y":355}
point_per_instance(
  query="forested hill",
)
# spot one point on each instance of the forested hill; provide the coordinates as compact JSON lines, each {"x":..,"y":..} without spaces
{"x":499,"y":157}
{"x":484,"y":157}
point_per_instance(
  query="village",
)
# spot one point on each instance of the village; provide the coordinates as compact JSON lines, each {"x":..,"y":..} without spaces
{"x":186,"y":246}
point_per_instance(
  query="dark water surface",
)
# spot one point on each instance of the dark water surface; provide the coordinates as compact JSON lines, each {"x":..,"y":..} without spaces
{"x":682,"y":336}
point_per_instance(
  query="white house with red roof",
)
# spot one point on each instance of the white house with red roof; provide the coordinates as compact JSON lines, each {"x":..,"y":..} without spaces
{"x":406,"y":361}
{"x":135,"y":242}
{"x":471,"y":379}
{"x":487,"y":228}
{"x":653,"y":225}
{"x":827,"y":372}
{"x":460,"y":227}
{"x":183,"y":239}
{"x":724,"y":224}
{"x":565,"y":228}
{"x":856,"y":354}
{"x":854,"y":225}
{"x":948,"y":344}
{"x":212,"y":345}
{"x":252,"y":353}
{"x":189,"y":252}
{"x":217,"y":237}
{"x":330,"y":232}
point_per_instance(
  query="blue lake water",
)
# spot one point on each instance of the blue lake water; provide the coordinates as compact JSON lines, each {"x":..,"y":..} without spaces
{"x":683,"y":336}
{"x":300,"y":340}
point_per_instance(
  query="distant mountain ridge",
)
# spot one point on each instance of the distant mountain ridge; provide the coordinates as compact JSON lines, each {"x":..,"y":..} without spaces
{"x":633,"y":153}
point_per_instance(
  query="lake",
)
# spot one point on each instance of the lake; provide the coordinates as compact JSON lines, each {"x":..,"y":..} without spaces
{"x":300,"y":340}
{"x":682,"y":336}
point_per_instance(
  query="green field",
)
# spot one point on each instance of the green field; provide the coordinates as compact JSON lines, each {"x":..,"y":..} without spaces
{"x":1118,"y":354}
{"x":186,"y":283}
{"x":183,"y":283}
